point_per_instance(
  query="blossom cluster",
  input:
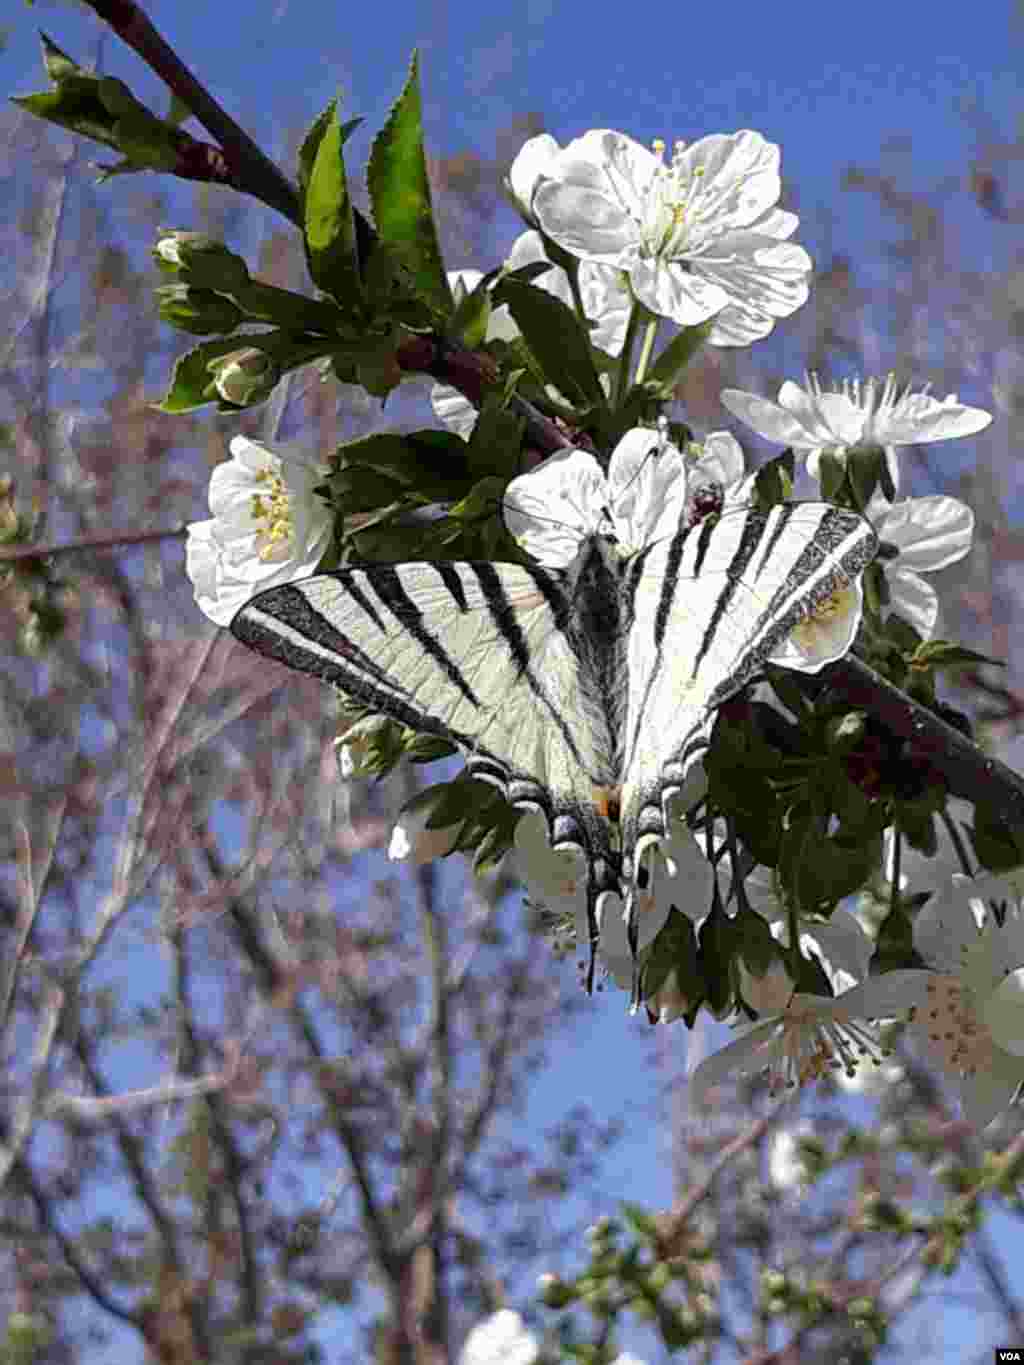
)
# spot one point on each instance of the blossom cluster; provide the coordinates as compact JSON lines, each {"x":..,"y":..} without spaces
{"x":630,"y":240}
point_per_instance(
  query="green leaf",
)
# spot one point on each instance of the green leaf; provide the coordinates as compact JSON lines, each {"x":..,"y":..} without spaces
{"x":556,"y":338}
{"x":192,"y":383}
{"x":865,"y":466}
{"x":330,"y":232}
{"x":400,"y":194}
{"x":773,"y":482}
{"x":717,"y":943}
{"x":431,"y":463}
{"x":674,"y":954}
{"x":944,"y":654}
{"x":495,"y":444}
{"x":832,"y":869}
{"x":998,"y":845}
{"x":832,"y":475}
{"x":468,"y":325}
{"x":756,"y":948}
{"x":103,"y":108}
{"x":59,"y":65}
{"x":311,"y":143}
{"x":894,"y":945}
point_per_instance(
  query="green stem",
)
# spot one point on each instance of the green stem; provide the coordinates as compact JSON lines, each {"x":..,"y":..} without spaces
{"x":622,"y":379}
{"x":897,"y":871}
{"x":957,"y":842}
{"x":577,"y":297}
{"x":647,"y":347}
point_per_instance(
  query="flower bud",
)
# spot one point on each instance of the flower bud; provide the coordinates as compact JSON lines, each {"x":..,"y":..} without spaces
{"x":669,"y":1002}
{"x":245,"y":376}
{"x":202,"y":261}
{"x":412,"y":839}
{"x":200,"y":311}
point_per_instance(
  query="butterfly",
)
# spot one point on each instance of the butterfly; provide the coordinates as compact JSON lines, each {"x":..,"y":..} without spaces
{"x":583,"y":690}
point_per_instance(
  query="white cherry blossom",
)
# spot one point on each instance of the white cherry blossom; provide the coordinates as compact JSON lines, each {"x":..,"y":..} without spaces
{"x":501,"y":1339}
{"x":929,"y":533}
{"x":678,"y":875}
{"x":716,"y":479}
{"x":268,"y":526}
{"x":699,"y":238}
{"x":971,"y":1022}
{"x":809,"y":1036}
{"x":870,"y":412}
{"x":554,"y":508}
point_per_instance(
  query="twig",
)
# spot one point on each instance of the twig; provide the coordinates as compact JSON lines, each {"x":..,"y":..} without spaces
{"x":114,"y":541}
{"x":476,"y":376}
{"x":253,"y":172}
{"x":93,"y":1108}
{"x":969,"y":772}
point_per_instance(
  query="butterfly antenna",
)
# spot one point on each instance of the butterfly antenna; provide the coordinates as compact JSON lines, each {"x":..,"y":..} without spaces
{"x":661,"y":440}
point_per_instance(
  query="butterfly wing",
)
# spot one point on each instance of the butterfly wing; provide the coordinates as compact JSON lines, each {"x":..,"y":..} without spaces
{"x":480,"y":654}
{"x":710,"y":605}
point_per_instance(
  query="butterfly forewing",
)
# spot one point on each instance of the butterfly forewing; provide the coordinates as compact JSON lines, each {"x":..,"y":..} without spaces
{"x":710,"y":605}
{"x":476,"y":653}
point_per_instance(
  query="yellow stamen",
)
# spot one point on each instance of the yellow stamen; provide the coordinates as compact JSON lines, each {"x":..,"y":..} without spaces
{"x":273,"y":508}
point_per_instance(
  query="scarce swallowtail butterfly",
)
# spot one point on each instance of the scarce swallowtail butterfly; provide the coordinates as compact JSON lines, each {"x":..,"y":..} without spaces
{"x":584,"y":692}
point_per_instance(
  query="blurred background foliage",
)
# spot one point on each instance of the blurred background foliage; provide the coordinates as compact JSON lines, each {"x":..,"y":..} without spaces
{"x":270,"y":1098}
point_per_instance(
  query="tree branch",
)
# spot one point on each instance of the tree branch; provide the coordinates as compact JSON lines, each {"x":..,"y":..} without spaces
{"x":19,"y":554}
{"x":252,"y":172}
{"x":970,"y":772}
{"x":475,"y":376}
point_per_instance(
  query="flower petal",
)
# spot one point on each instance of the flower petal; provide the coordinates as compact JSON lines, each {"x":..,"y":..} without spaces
{"x":929,"y":532}
{"x":920,"y":417}
{"x":553,"y":508}
{"x":738,"y":175}
{"x":1003,"y":1013}
{"x":826,"y":634}
{"x":674,"y":292}
{"x":646,"y":488}
{"x":453,"y":409}
{"x":768,"y":419}
{"x":988,"y":1092}
{"x":720,"y":461}
{"x":533,"y":161}
{"x":748,"y":1053}
{"x":912,"y":598}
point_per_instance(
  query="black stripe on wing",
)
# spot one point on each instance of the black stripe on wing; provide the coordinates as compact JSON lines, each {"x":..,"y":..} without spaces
{"x":282,"y":625}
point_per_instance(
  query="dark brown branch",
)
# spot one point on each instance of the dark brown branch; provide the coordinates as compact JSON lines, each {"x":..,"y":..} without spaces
{"x":252,"y":172}
{"x":475,"y":376}
{"x":969,"y":772}
{"x":113,"y":541}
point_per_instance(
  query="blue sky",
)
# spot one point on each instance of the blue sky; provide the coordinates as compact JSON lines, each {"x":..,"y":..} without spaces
{"x":831,"y":86}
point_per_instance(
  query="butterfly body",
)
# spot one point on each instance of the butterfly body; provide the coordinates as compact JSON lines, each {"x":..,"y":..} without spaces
{"x":585,"y":693}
